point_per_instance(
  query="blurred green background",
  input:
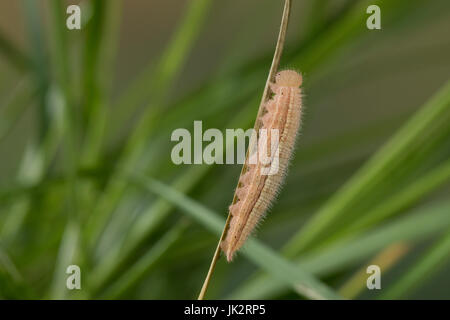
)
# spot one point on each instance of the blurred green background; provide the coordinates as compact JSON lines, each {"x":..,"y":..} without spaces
{"x":86,"y":177}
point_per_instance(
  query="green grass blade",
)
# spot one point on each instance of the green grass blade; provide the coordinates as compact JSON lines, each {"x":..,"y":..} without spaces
{"x":40,"y":151}
{"x":427,"y":265}
{"x":13,"y":54}
{"x":155,"y":80}
{"x":152,"y":217}
{"x":12,"y":281}
{"x":38,"y":59}
{"x":424,"y":223}
{"x":377,"y":168}
{"x":139,"y":138}
{"x":69,"y":244}
{"x":146,"y":224}
{"x":139,"y":269}
{"x":64,"y":83}
{"x":15,"y":106}
{"x":8,"y":266}
{"x":386,"y":259}
{"x":407,"y":197}
{"x":302,"y":282}
{"x":99,"y":53}
{"x":66,"y":256}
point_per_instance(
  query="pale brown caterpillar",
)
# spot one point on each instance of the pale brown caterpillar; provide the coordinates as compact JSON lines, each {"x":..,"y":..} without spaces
{"x":256,"y":191}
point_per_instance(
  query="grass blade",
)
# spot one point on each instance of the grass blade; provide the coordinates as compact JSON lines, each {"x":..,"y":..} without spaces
{"x":139,"y":269}
{"x":386,"y":259}
{"x":301,"y":281}
{"x":17,"y":58}
{"x":421,"y":224}
{"x":15,"y":106}
{"x":377,"y":168}
{"x":156,"y":80}
{"x":428,"y":264}
{"x":136,"y":144}
{"x":405,"y":198}
{"x":100,"y":50}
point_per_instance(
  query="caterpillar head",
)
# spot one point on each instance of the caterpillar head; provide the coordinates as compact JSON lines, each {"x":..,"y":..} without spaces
{"x":288,"y":78}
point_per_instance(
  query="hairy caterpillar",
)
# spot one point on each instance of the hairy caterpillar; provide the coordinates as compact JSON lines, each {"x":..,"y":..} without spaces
{"x":256,"y":191}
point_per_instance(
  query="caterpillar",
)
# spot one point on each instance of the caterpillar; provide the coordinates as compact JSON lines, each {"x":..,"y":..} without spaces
{"x":256,"y":189}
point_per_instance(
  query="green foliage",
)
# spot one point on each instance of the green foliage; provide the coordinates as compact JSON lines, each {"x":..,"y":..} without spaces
{"x":95,"y":185}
